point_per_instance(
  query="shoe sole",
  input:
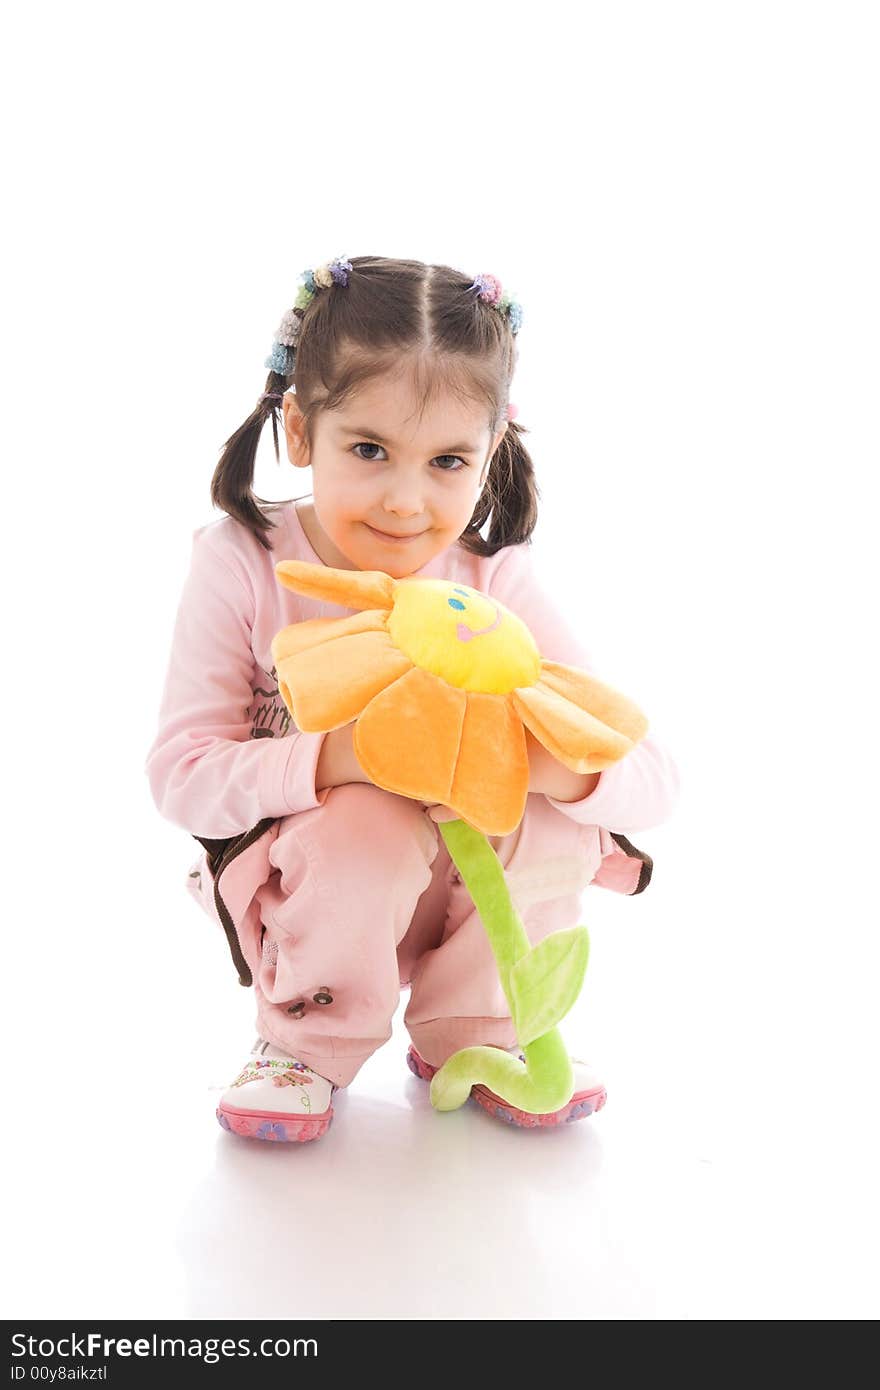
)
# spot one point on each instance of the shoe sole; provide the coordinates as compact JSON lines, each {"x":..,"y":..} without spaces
{"x":582,"y":1103}
{"x":273,"y":1126}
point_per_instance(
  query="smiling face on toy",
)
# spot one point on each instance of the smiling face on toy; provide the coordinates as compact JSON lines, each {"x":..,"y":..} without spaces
{"x":462,"y":636}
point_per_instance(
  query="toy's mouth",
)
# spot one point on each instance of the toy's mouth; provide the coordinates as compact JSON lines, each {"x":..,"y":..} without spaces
{"x":464,"y":634}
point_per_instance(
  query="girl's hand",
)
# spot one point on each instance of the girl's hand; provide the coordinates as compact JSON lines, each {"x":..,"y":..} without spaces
{"x":554,"y":778}
{"x":337,"y":761}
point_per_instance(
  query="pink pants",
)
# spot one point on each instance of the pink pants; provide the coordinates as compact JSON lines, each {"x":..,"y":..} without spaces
{"x":358,"y":898}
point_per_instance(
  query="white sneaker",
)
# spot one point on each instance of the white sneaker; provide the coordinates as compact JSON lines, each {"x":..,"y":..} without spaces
{"x":276,"y":1097}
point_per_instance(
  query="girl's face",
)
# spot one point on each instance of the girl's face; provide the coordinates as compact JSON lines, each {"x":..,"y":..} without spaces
{"x":377,"y":475}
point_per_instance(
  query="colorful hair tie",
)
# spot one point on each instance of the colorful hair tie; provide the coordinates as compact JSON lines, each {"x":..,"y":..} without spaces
{"x":281,"y":358}
{"x":489,"y":289}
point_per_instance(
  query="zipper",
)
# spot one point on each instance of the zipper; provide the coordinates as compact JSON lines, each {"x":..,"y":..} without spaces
{"x":234,"y":848}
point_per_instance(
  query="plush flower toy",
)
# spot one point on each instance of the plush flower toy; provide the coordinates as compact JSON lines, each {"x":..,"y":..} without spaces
{"x":441,"y":683}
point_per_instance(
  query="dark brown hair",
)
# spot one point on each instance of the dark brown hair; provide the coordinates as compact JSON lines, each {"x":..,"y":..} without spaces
{"x":392,"y":310}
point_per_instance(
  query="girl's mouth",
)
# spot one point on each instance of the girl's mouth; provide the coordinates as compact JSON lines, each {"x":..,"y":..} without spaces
{"x":393,"y":540}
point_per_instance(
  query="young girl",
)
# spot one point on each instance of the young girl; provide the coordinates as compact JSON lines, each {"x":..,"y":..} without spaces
{"x":392,"y":379}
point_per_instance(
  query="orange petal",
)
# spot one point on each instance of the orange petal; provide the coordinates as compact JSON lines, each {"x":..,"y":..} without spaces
{"x":407,"y":738}
{"x":594,"y":696}
{"x":492,"y":777}
{"x":348,"y":588}
{"x":431,"y":741}
{"x":329,"y":685}
{"x":299,"y":637}
{"x":572,"y":735}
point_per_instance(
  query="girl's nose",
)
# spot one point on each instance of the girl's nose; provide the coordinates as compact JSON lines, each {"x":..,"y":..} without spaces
{"x":403,"y":501}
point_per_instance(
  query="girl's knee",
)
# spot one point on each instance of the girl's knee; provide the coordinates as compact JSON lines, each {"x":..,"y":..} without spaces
{"x":372,"y":806}
{"x":368,"y":822}
{"x":549,"y":855}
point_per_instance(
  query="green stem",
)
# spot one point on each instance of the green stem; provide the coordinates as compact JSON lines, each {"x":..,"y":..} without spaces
{"x":546,"y":1081}
{"x":483,"y":876}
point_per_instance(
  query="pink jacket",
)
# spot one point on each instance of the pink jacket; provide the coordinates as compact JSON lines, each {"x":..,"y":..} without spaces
{"x":227,"y":760}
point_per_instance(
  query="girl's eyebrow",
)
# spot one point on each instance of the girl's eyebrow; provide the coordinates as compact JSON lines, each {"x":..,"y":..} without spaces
{"x":386,"y":444}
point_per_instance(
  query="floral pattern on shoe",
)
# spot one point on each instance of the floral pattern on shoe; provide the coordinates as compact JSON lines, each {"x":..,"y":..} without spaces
{"x":271,"y":1131}
{"x":280,"y":1073}
{"x":253,"y":1127}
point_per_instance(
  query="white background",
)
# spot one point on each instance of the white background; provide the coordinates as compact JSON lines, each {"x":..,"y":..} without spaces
{"x":684,"y":199}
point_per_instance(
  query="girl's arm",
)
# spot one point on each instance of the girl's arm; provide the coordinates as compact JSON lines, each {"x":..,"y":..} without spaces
{"x":638,"y":792}
{"x":553,"y":778}
{"x":205,"y":771}
{"x":337,"y":763}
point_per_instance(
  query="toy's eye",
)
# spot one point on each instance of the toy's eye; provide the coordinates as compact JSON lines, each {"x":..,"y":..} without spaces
{"x":456,"y":603}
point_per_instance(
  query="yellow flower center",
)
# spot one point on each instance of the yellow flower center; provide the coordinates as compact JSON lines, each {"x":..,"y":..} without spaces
{"x":462,"y":636}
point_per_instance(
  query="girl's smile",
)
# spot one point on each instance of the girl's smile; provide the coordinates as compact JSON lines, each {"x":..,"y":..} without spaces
{"x":396,"y":539}
{"x":419,"y":486}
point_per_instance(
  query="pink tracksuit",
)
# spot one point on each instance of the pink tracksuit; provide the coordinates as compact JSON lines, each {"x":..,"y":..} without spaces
{"x":332,"y":901}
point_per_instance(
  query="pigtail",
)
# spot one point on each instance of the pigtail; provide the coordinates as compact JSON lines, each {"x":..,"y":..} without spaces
{"x":232,"y":483}
{"x":510,"y":497}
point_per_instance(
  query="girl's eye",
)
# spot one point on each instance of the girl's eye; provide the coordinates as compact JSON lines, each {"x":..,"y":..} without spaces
{"x":365,"y":445}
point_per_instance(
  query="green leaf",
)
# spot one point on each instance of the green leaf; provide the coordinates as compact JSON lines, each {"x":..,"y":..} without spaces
{"x":545,"y":983}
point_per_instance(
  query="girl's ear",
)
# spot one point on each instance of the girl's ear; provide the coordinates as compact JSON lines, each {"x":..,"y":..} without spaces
{"x":294,"y":431}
